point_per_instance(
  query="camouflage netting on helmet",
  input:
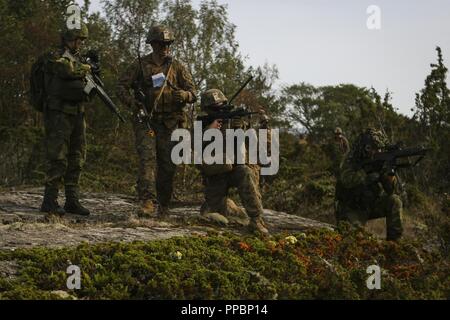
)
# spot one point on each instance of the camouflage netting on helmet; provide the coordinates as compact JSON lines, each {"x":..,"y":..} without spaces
{"x":212,"y":99}
{"x":371,"y":137}
{"x":160,"y":34}
{"x":69,"y":34}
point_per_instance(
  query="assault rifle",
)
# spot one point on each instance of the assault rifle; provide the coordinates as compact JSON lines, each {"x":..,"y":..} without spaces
{"x":146,"y":110}
{"x":229,"y":111}
{"x":95,"y":84}
{"x":395,"y":157}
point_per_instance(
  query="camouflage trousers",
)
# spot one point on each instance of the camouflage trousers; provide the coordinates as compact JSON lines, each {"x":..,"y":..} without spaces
{"x":155,"y":150}
{"x":65,"y":141}
{"x":146,"y":150}
{"x":241,"y":177}
{"x":166,"y":169}
{"x":386,"y":206}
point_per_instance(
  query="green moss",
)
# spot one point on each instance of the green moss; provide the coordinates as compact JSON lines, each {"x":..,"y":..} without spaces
{"x":322,"y":265}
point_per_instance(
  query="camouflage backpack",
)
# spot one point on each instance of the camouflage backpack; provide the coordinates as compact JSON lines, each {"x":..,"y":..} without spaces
{"x":38,"y":81}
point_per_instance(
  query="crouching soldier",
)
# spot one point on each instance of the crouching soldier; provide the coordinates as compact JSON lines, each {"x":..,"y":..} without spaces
{"x":220,"y":178}
{"x":363,"y":192}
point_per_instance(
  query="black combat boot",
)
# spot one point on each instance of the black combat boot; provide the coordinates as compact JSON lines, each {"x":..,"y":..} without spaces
{"x":394,"y":236}
{"x":73,"y":204}
{"x":50,"y":203}
{"x":163,"y":211}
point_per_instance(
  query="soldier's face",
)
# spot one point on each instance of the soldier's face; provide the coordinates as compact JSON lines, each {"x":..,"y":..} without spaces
{"x":371,"y":151}
{"x":162,"y":49}
{"x":216,"y":124}
{"x":75,"y":45}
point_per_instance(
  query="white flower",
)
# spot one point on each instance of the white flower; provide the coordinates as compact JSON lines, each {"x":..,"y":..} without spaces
{"x":291,"y":239}
{"x":177,"y":255}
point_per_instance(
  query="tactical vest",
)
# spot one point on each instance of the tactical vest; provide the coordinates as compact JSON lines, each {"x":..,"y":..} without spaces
{"x":166,"y":102}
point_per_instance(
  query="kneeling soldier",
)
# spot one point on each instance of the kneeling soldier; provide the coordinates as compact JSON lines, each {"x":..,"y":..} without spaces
{"x":364,"y":193}
{"x":220,"y":178}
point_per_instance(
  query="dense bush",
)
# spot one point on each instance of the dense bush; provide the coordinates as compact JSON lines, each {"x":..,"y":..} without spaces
{"x":320,"y":264}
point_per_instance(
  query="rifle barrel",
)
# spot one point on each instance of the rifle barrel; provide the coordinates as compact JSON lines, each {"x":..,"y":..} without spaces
{"x":240,"y":89}
{"x":107,"y":101}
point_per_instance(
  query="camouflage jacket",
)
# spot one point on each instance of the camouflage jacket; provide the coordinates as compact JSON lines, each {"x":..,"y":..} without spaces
{"x":179,"y":78}
{"x":65,"y":81}
{"x":228,"y":164}
{"x":337,"y":149}
{"x":343,"y":145}
{"x":358,"y":188}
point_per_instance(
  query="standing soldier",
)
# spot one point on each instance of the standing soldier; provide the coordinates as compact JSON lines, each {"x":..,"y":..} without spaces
{"x":264,"y":124}
{"x":341,"y":141}
{"x":219,"y":178}
{"x":168,"y":87}
{"x":339,"y":150}
{"x":364,"y":193}
{"x":64,"y":122}
{"x":301,"y":147}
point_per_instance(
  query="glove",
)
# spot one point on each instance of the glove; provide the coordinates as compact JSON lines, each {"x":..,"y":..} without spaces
{"x":389,"y":183}
{"x":182,"y":96}
{"x":84,"y":69}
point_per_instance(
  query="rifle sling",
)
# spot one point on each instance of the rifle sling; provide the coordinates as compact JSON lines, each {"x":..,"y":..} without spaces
{"x":155,"y":104}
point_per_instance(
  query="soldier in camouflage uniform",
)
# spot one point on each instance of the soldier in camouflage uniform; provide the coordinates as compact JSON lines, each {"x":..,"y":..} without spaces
{"x":169,"y":103}
{"x":263,"y":123}
{"x":364,"y":193}
{"x":339,"y":148}
{"x":219,"y":178}
{"x":64,"y":121}
{"x":341,"y":141}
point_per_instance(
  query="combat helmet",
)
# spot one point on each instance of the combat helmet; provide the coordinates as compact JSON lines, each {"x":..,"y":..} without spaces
{"x":160,"y":34}
{"x":369,"y":139}
{"x":70,"y":34}
{"x":212,"y":99}
{"x":337,"y":131}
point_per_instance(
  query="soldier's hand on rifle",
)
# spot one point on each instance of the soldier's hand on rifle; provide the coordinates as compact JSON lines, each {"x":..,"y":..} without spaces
{"x":388,"y":182}
{"x":389,"y":179}
{"x":138,"y":105}
{"x":182,"y":96}
{"x":84,"y":69}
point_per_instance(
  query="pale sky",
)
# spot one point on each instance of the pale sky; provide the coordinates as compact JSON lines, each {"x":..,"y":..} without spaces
{"x":327,"y":42}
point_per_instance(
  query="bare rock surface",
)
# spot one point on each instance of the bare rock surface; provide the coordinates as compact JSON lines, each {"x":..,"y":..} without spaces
{"x":113,"y":218}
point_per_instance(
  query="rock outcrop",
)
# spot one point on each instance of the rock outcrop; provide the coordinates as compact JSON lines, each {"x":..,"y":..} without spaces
{"x":113,"y":218}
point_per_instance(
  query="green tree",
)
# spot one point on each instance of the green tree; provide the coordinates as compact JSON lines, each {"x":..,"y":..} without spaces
{"x":433,"y":114}
{"x":433,"y":101}
{"x":206,"y":43}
